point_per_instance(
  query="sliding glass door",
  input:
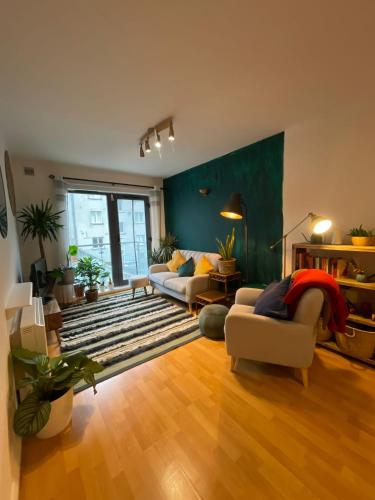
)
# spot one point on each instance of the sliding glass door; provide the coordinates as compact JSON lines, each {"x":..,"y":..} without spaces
{"x":112,"y":228}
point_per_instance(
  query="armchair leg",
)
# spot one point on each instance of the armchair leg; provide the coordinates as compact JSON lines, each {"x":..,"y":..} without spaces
{"x":233,"y":364}
{"x":190,"y":308}
{"x":304,"y":375}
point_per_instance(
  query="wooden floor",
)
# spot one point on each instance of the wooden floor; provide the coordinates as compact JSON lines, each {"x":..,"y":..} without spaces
{"x":183,"y":427}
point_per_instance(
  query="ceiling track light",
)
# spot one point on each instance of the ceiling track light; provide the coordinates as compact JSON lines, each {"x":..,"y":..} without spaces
{"x":171,"y":131}
{"x":166,"y":124}
{"x":157,"y":140}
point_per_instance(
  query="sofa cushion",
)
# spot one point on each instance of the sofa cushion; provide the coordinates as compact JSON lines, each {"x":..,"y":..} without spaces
{"x":177,"y":260}
{"x":203,"y":266}
{"x":187,"y":269}
{"x":212,"y":257}
{"x":271,"y":302}
{"x":178,"y":284}
{"x":161,"y":278}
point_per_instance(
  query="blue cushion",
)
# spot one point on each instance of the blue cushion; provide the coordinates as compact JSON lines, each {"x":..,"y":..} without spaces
{"x":271,"y":301}
{"x":187,"y":268}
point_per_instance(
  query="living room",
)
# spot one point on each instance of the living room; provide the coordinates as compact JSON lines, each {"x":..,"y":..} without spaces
{"x":163,"y":165}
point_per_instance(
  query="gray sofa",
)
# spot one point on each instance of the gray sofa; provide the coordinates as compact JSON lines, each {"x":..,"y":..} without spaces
{"x":182,"y":288}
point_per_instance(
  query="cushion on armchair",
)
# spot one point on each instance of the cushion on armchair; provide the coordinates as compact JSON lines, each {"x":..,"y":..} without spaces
{"x":187,"y":269}
{"x":177,"y":260}
{"x":271,"y":302}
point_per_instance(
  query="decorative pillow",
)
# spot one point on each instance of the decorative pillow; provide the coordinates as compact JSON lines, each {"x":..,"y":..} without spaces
{"x":177,"y":260}
{"x":203,"y":266}
{"x":186,"y":269}
{"x":271,"y":301}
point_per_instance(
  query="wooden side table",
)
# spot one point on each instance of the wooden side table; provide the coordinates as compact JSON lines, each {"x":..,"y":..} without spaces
{"x":226,"y":279}
{"x":209,"y":297}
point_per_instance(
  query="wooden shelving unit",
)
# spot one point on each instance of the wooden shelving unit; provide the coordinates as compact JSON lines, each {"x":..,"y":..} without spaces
{"x":344,"y":252}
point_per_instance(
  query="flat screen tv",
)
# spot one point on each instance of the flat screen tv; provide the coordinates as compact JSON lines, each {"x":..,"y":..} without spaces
{"x":38,"y":277}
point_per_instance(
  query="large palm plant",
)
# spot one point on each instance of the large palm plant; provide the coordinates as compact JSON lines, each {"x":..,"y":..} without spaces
{"x":40,"y":221}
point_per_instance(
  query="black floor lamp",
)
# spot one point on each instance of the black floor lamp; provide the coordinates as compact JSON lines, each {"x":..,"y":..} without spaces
{"x":236,"y":209}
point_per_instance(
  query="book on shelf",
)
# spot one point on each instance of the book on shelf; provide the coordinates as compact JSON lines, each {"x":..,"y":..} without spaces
{"x":336,"y":267}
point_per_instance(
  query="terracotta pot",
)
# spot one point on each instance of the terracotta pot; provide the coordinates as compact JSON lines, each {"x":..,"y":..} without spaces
{"x":79,"y":290}
{"x":60,"y":416}
{"x":363,"y":241}
{"x":226,"y":266}
{"x":91,"y":295}
{"x":68,"y":278}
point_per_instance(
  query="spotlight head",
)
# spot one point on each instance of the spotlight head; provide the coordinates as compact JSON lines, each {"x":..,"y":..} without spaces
{"x":141,"y":152}
{"x":157,"y":141}
{"x":147,"y":146}
{"x":171,"y":132}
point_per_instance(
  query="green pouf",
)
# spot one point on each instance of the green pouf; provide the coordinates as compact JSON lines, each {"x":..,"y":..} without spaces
{"x":211,"y":321}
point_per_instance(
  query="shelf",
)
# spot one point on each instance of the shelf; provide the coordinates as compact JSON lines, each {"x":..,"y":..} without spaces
{"x":336,"y":248}
{"x":355,"y":284}
{"x":334,"y":347}
{"x":20,"y":295}
{"x":361,"y":319}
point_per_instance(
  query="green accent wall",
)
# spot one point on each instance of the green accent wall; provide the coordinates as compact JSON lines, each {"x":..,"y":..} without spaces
{"x":255,"y":171}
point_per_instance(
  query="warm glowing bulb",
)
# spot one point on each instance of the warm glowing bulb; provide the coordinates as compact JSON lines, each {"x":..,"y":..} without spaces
{"x":171,"y":132}
{"x":158,"y":141}
{"x":322,"y":226}
{"x":147,"y":146}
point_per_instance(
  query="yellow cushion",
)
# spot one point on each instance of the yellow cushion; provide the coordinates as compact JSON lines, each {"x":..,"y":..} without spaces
{"x":177,"y":260}
{"x":203,"y":266}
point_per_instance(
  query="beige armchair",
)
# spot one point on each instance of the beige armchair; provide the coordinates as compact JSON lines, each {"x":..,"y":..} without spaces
{"x":260,"y":338}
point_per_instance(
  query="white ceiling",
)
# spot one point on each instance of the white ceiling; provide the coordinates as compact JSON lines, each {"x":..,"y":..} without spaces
{"x":80,"y":81}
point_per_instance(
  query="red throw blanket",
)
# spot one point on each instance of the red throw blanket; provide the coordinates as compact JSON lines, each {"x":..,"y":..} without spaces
{"x":315,"y":278}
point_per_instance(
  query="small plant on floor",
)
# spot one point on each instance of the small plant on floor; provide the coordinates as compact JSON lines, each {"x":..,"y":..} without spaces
{"x":41,"y":222}
{"x":90,"y":273}
{"x":49,"y":380}
{"x":163,"y":254}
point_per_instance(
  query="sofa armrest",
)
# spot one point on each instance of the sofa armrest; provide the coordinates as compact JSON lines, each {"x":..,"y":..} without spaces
{"x":247,"y":296}
{"x":196,"y":285}
{"x":157,"y":268}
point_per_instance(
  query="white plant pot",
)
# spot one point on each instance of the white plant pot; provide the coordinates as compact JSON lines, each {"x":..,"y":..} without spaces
{"x":60,"y":416}
{"x":68,"y":278}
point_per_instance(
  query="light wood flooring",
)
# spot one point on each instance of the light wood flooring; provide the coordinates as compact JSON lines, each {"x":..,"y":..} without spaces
{"x":182,"y":427}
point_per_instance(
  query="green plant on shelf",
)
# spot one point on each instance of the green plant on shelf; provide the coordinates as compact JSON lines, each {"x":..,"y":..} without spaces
{"x":360,"y":231}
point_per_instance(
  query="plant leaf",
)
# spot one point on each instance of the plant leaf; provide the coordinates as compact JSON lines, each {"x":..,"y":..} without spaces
{"x":31,"y":415}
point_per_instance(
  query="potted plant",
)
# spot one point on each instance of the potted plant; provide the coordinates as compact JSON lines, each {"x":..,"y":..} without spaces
{"x":227,"y":263}
{"x":362,"y":237}
{"x":68,"y":278}
{"x":47,"y":408}
{"x":90,"y":272}
{"x":163,"y":254}
{"x":40,"y":222}
{"x":79,"y":289}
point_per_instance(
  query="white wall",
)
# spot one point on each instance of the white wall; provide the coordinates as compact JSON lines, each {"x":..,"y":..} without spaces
{"x":329,"y":169}
{"x":40,"y":187}
{"x":10,"y":445}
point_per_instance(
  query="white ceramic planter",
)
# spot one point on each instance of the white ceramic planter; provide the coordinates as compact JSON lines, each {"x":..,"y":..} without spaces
{"x":68,"y":278}
{"x":60,"y":416}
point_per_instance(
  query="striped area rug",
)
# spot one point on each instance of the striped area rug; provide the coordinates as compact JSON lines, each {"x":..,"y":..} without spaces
{"x":121,"y":332}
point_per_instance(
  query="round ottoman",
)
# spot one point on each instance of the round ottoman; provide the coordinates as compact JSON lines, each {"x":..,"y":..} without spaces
{"x":139,"y":282}
{"x":211,"y":321}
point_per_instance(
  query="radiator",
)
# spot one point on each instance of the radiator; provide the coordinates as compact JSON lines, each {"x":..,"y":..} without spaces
{"x":33,"y":331}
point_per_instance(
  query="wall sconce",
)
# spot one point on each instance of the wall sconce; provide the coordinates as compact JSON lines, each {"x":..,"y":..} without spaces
{"x":204,"y":191}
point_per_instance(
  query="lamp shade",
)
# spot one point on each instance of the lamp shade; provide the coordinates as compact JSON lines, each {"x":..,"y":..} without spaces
{"x":233,"y":208}
{"x":319,"y":224}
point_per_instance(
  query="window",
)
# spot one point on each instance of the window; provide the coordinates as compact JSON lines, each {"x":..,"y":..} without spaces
{"x":97,"y":241}
{"x":140,"y":238}
{"x":139,"y":217}
{"x":94,"y":196}
{"x":121,"y":226}
{"x":96,"y":217}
